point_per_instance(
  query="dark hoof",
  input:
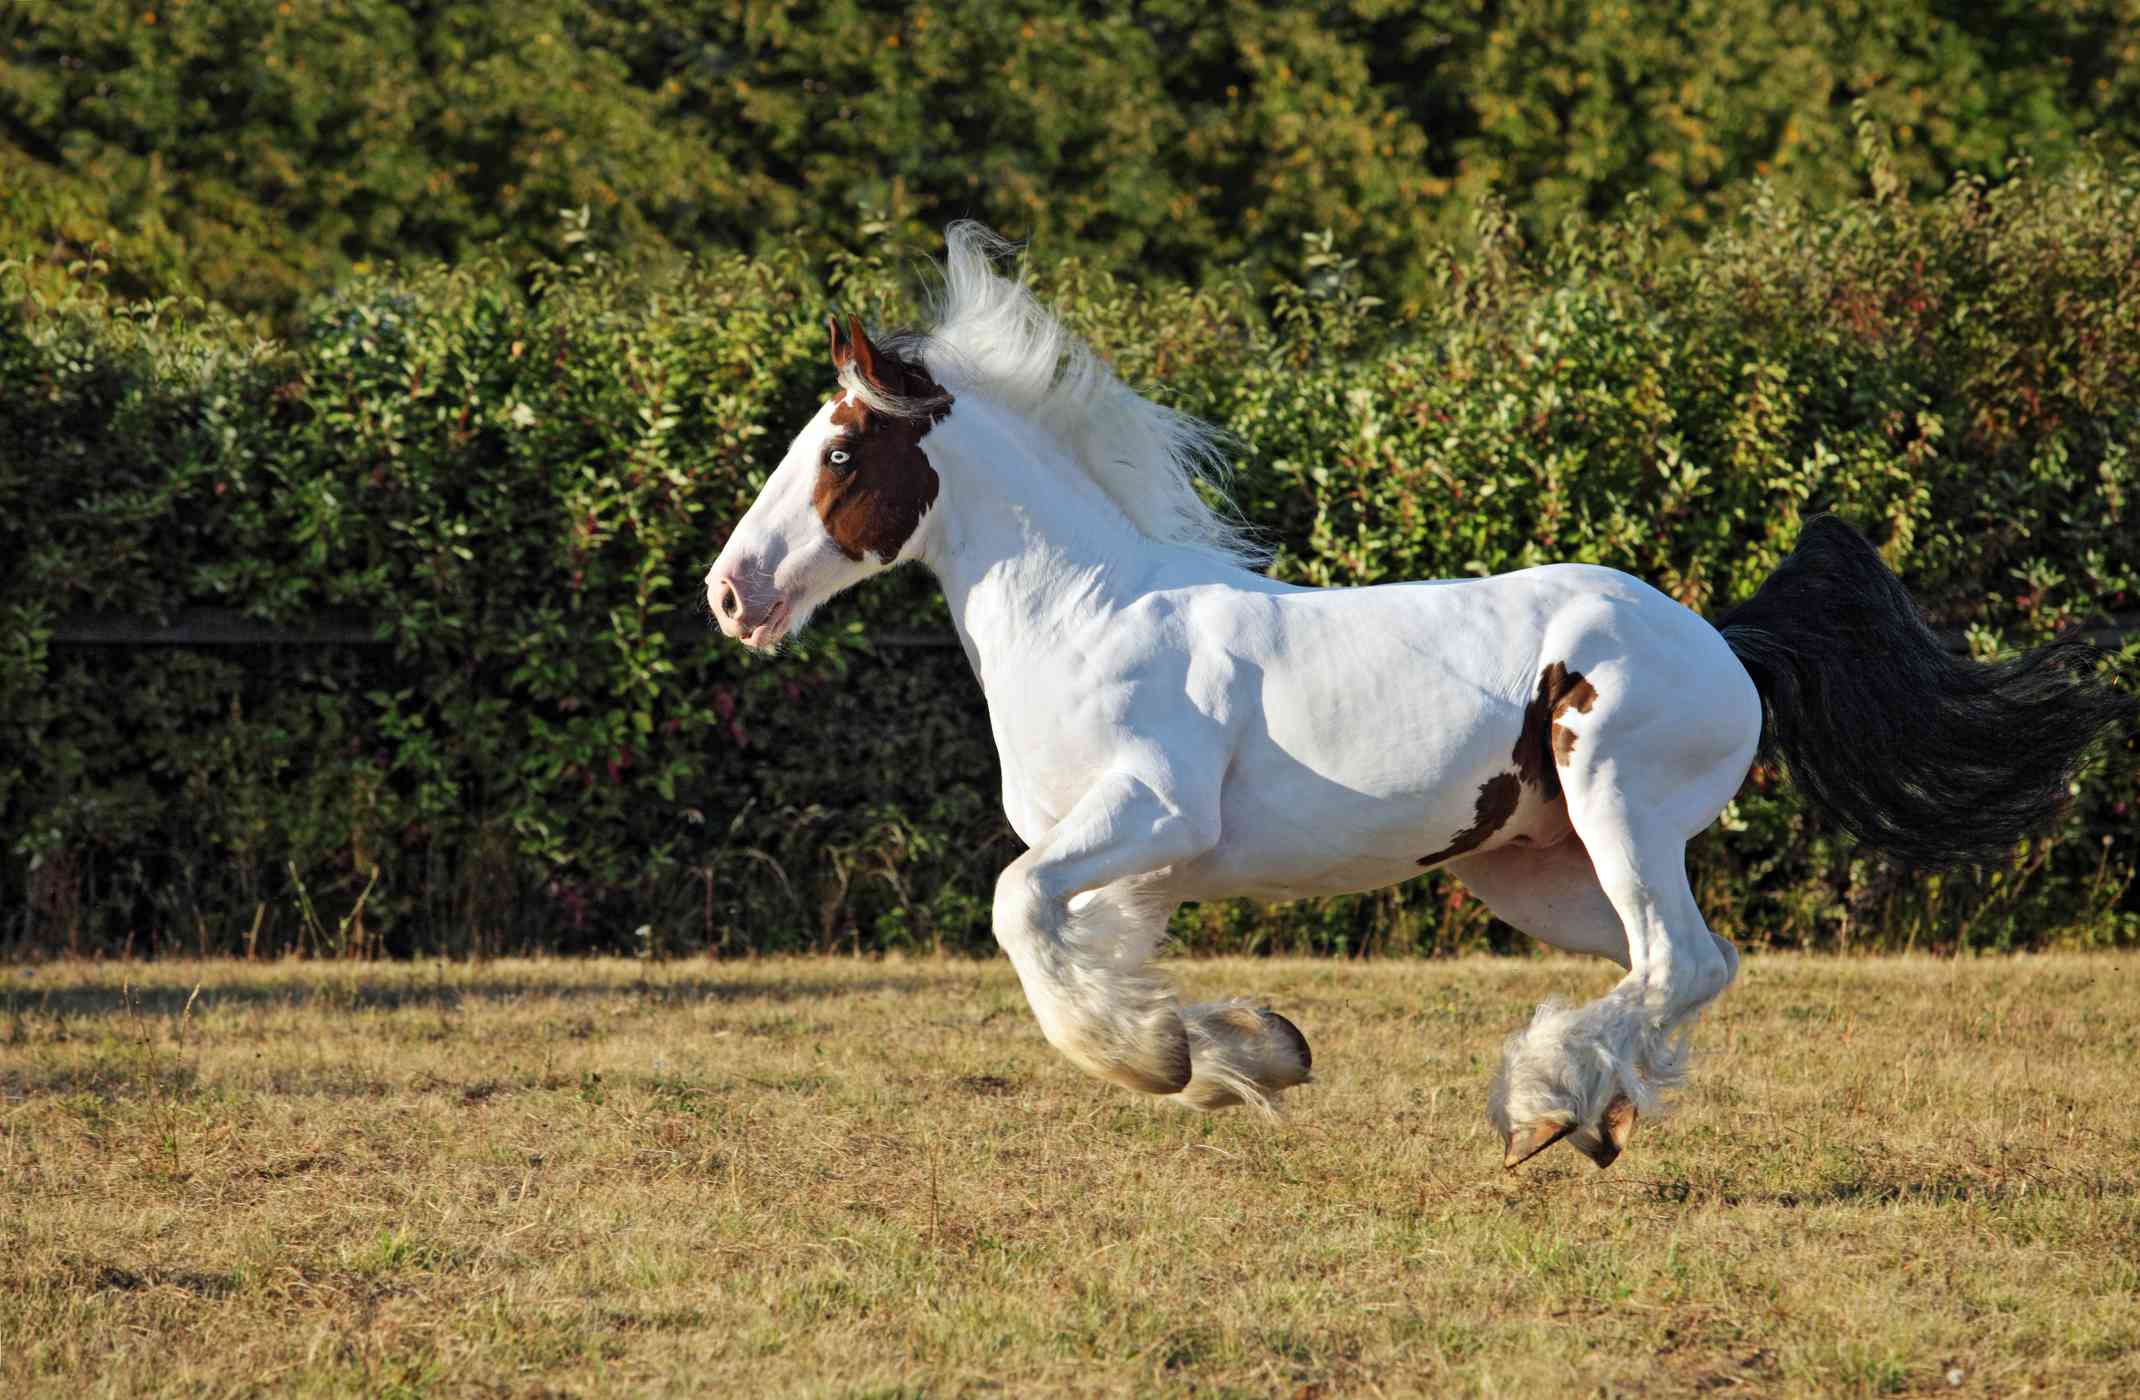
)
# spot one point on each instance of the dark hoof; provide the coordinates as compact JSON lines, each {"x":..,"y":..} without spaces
{"x":1528,"y":1141}
{"x":1288,"y":1033}
{"x":1615,"y":1127}
{"x":1251,"y":1054}
{"x":1167,"y":1068}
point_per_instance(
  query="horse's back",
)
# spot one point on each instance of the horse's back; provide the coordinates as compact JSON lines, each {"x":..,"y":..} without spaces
{"x":1448,"y":639}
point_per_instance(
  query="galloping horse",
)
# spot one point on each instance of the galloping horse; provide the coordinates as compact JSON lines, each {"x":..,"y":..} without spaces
{"x":1174,"y":725}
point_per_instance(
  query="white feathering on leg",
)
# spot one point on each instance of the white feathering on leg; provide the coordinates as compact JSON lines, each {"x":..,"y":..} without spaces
{"x":1571,"y":1062}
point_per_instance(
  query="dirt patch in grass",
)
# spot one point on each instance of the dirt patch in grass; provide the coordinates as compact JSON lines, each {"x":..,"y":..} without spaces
{"x":874,"y":1177}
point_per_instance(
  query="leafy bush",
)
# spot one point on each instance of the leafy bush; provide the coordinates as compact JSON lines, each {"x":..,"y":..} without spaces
{"x":544,"y":743}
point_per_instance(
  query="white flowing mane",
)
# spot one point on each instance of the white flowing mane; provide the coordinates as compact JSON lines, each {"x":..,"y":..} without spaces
{"x":992,"y":337}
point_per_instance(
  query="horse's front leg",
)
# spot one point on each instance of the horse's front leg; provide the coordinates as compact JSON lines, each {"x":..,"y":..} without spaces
{"x":1078,"y":919}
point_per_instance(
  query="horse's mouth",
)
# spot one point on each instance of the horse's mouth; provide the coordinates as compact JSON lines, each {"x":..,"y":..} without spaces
{"x":767,"y":634}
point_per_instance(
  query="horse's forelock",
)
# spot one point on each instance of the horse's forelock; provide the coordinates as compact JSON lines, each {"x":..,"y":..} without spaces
{"x":915,"y":394}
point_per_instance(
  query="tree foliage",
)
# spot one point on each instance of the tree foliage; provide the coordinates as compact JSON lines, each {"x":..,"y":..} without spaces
{"x":254,"y":150}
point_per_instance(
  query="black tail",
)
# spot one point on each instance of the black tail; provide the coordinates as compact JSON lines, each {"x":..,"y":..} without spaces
{"x":1933,"y":758}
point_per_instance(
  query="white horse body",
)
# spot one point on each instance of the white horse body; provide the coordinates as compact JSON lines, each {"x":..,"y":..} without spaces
{"x":1175,"y":726}
{"x":1094,"y":644}
{"x":1247,"y":685}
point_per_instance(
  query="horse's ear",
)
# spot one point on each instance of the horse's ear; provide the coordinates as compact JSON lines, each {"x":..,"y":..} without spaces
{"x":843,"y":352}
{"x":865,"y":354}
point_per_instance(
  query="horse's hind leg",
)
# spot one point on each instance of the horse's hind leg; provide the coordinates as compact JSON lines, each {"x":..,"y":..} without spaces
{"x":1634,"y":798}
{"x":1553,"y":894}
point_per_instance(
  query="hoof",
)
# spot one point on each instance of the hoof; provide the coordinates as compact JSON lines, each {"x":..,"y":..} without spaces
{"x":1528,"y":1141}
{"x":1285,"y":1030}
{"x":1161,"y":1065}
{"x":1615,"y":1127}
{"x":1244,"y":1055}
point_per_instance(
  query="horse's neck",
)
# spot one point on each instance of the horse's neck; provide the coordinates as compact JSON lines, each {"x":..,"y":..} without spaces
{"x":1029,"y":549}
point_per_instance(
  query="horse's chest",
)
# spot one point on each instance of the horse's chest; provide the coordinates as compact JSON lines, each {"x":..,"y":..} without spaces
{"x":1052,"y":749}
{"x":1057,"y":732}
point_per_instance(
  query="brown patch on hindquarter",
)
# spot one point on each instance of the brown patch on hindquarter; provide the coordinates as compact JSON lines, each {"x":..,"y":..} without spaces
{"x":1543,"y":743}
{"x":1496,"y":803}
{"x":872,"y":502}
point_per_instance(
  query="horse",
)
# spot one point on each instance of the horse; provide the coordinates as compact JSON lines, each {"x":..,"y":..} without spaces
{"x":1175,"y":725}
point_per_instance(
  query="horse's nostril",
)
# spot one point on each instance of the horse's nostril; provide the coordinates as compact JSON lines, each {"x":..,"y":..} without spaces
{"x":729,"y":602}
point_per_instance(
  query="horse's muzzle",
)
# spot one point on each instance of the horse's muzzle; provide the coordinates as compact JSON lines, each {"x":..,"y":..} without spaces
{"x":755,"y":619}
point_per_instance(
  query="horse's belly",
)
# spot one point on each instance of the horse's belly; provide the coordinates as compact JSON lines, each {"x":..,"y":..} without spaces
{"x":1309,"y":836}
{"x":1291,"y":875}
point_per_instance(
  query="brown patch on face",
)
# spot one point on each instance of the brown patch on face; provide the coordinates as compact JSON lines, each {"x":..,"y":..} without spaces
{"x":872,"y":501}
{"x":1498,"y":796}
{"x":1542,"y":743}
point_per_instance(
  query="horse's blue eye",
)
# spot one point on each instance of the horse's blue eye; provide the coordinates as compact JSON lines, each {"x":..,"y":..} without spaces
{"x":839,"y":459}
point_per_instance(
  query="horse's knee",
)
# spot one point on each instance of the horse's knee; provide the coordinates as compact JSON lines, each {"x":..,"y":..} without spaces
{"x":1022,"y":906}
{"x":1105,"y":1012}
{"x":1013,"y":898}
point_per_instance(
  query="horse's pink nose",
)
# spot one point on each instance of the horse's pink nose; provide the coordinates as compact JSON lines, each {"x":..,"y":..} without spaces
{"x":751,"y":617}
{"x":731,"y":605}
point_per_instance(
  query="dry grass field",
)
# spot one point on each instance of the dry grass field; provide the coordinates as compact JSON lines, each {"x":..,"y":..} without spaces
{"x":873,"y":1178}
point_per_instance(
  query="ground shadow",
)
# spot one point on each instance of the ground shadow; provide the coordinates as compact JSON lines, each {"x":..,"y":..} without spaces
{"x":143,"y":991}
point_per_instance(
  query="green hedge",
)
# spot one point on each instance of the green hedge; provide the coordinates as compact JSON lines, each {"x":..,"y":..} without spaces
{"x":254,"y":150}
{"x":547,"y":745}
